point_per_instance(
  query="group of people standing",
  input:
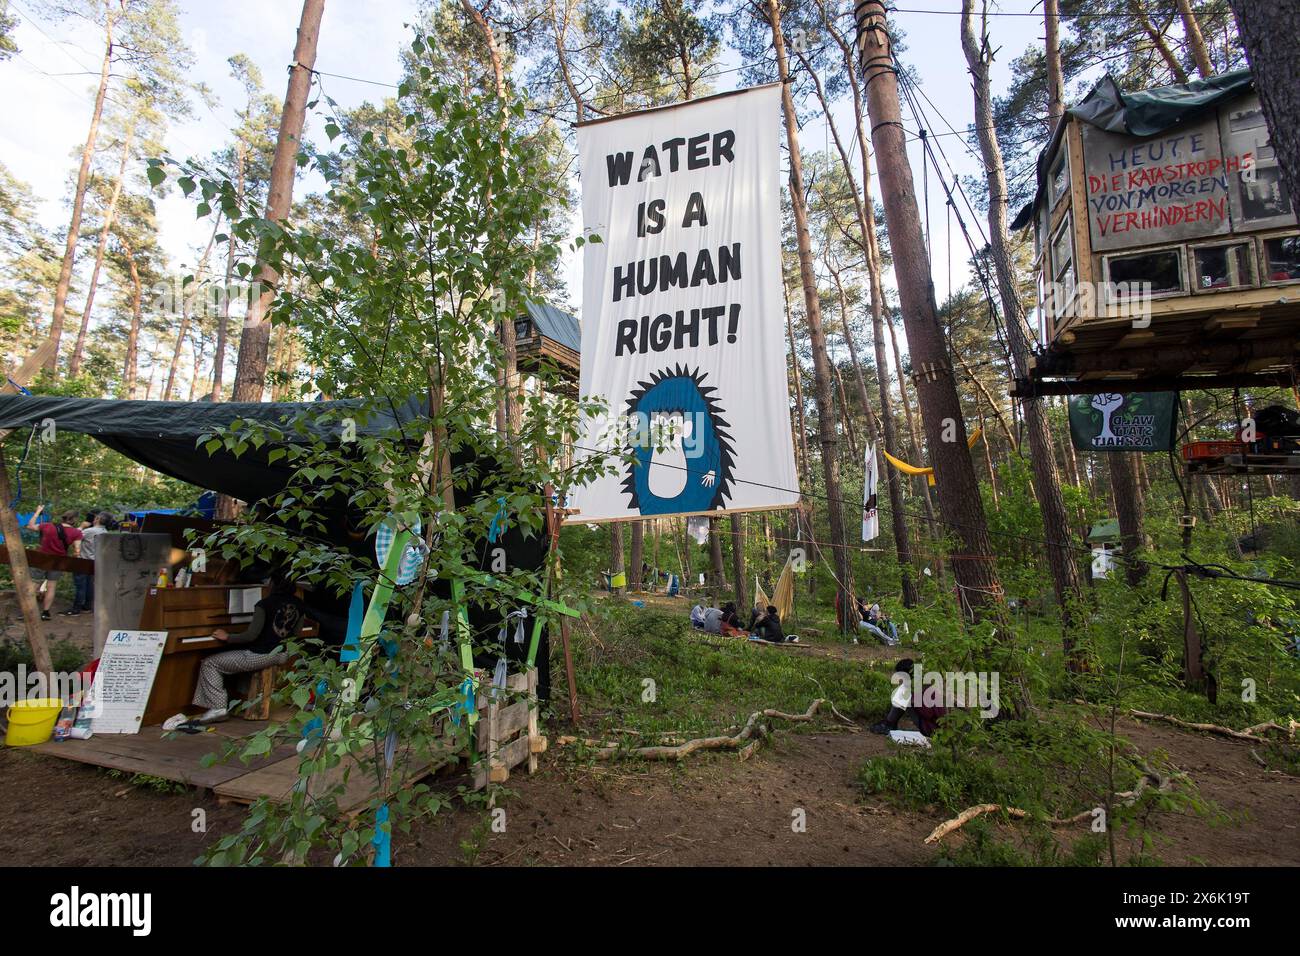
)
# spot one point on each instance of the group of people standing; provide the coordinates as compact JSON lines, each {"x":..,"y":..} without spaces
{"x":68,"y":536}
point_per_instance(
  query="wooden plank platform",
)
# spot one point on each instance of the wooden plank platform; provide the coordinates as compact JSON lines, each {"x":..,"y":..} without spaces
{"x":277,"y":780}
{"x":179,"y":759}
{"x":507,"y":736}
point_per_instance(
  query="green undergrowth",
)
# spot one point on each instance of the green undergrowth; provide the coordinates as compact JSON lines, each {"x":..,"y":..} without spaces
{"x":648,"y":671}
{"x":64,"y":656}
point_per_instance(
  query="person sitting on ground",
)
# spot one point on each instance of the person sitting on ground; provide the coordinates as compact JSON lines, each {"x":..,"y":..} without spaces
{"x":61,"y":538}
{"x":901,"y":705}
{"x":712,"y":620}
{"x":697,"y":617}
{"x":260,"y":645}
{"x":731,"y":625}
{"x":768,"y":628}
{"x":875,"y":620}
{"x":755,"y":615}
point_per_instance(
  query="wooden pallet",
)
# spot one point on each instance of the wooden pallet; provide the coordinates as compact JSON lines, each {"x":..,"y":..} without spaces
{"x":507,"y":732}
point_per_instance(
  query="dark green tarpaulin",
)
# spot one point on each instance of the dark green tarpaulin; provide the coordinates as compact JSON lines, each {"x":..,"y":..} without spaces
{"x":1143,"y":113}
{"x":163,"y":436}
{"x":1138,"y":421}
{"x":1148,"y":112}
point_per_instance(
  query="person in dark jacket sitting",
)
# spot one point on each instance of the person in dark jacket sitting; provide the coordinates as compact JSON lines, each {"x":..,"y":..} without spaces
{"x":901,"y":704}
{"x":731,"y":624}
{"x":768,"y":628}
{"x":276,"y":619}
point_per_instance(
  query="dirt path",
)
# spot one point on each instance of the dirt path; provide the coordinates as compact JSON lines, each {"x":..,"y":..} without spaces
{"x":714,"y":810}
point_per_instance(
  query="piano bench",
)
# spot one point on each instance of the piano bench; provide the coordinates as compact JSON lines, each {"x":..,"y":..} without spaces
{"x":259,"y":686}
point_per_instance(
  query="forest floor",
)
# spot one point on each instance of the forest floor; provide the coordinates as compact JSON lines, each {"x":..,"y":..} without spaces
{"x":711,"y":809}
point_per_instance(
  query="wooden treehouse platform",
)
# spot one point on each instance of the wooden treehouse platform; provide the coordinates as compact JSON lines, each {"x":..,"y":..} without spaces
{"x":1246,"y":464}
{"x":1251,"y":338}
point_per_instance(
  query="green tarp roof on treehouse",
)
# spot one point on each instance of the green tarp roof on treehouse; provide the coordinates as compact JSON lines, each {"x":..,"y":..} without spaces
{"x":1104,"y":532}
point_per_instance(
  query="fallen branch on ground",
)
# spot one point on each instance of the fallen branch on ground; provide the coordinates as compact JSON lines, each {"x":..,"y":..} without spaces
{"x":1127,"y":798}
{"x":604,"y":749}
{"x":1250,"y":733}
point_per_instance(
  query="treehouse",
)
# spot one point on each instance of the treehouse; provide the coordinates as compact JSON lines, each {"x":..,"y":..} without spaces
{"x":545,"y":335}
{"x":1167,"y":249}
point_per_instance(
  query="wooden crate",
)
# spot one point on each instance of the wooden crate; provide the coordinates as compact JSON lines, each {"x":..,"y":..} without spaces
{"x":507,"y":733}
{"x":1197,"y":450}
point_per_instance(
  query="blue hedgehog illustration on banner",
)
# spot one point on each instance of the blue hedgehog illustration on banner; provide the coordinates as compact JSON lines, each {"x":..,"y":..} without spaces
{"x":682,"y":452}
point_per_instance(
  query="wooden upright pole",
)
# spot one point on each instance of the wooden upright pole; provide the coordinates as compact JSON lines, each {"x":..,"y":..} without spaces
{"x":1055,"y":81}
{"x":553,"y":529}
{"x":21,"y":573}
{"x":945,"y":430}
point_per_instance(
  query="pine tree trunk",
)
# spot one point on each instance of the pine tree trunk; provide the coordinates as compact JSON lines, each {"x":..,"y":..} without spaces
{"x":560,"y":29}
{"x":687,"y":573}
{"x":845,"y":412}
{"x":959,"y":498}
{"x":616,"y":566}
{"x":638,"y":557}
{"x":1128,"y":508}
{"x":509,"y":419}
{"x":1269,"y":31}
{"x":1157,"y":39}
{"x":1055,"y":81}
{"x":913,"y":434}
{"x":250,"y":367}
{"x":110,"y":215}
{"x":223,"y":323}
{"x":199,"y":345}
{"x":717,"y":574}
{"x":1195,"y":40}
{"x":806,"y":464}
{"x":187,"y":302}
{"x":738,"y":564}
{"x":78,"y":201}
{"x":1066,"y":579}
{"x":129,"y":371}
{"x":816,"y":334}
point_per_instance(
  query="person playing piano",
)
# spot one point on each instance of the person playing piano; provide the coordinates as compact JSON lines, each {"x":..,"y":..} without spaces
{"x":276,"y":618}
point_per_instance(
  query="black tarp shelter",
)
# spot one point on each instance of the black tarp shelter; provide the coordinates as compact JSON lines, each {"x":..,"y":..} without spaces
{"x":164,"y":436}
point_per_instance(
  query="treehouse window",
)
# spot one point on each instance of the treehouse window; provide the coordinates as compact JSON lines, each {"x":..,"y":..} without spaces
{"x":1157,"y":272}
{"x":1222,"y":267}
{"x":1062,"y":265}
{"x":1282,"y":258}
{"x":1060,"y":176}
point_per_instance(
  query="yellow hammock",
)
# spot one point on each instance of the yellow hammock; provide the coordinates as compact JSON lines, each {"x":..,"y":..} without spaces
{"x":928,"y":472}
{"x":782,"y":594}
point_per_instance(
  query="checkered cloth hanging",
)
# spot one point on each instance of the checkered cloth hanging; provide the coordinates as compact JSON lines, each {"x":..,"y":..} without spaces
{"x":411,"y":560}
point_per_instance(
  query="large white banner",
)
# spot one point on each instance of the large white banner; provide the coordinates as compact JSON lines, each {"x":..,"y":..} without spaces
{"x":683,"y":323}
